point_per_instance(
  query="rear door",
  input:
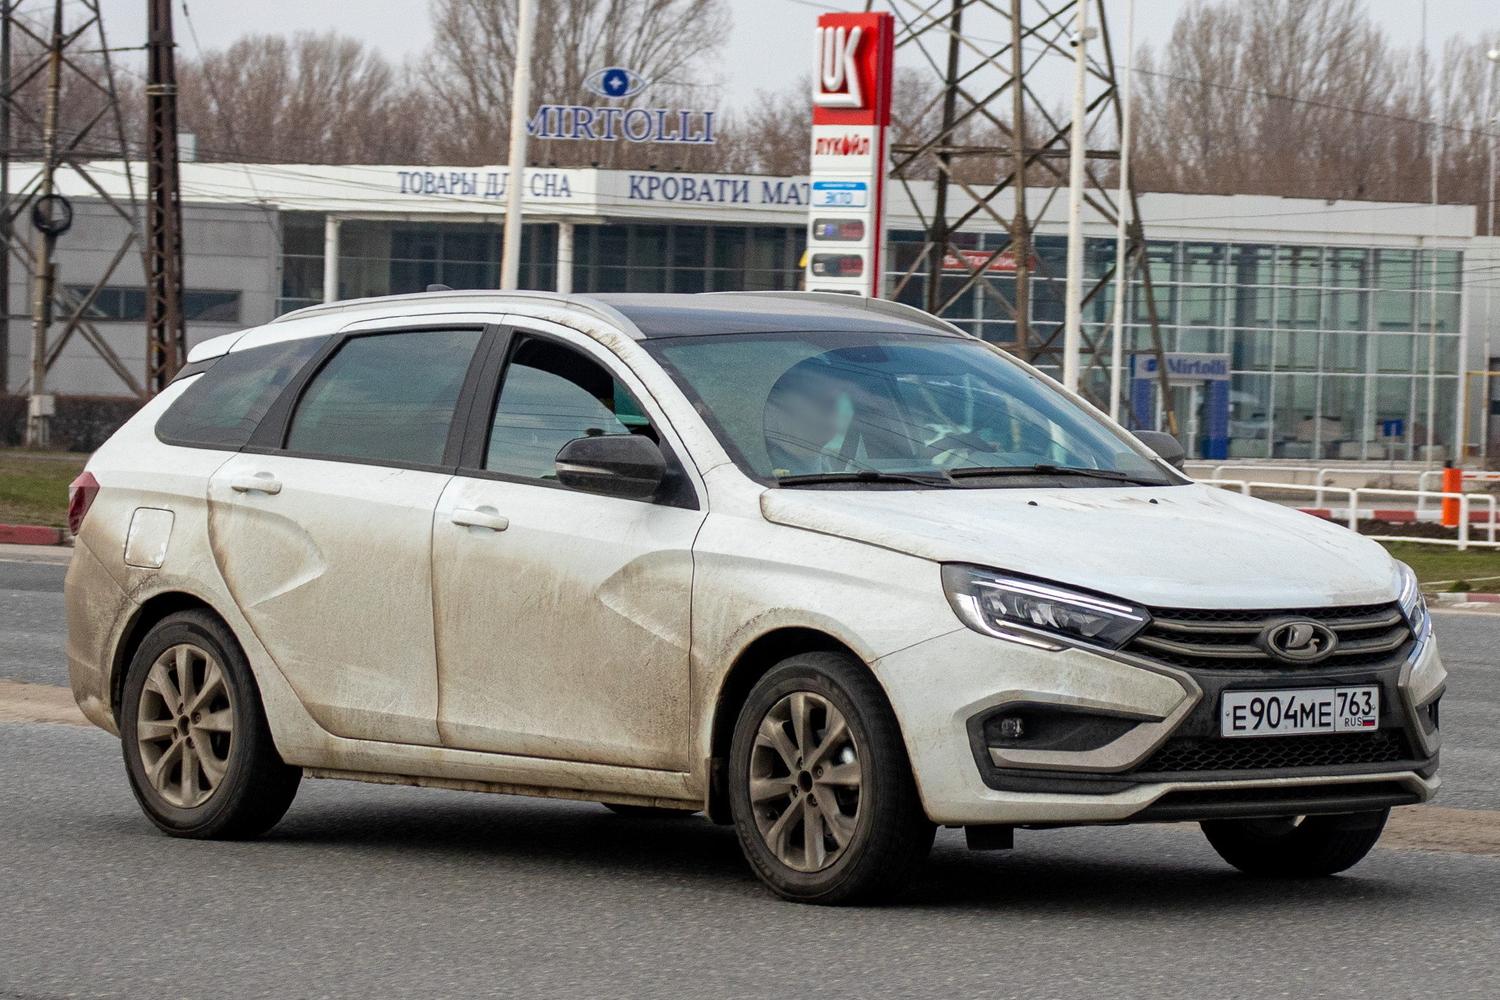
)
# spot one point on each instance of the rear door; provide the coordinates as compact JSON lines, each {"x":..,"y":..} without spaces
{"x":322,"y":527}
{"x":563,"y":617}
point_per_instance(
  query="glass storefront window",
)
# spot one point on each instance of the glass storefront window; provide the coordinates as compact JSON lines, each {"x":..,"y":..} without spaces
{"x":1164,"y":297}
{"x":1395,"y":269}
{"x":1345,"y":309}
{"x":1344,"y":352}
{"x":1254,"y":307}
{"x":1249,"y":416}
{"x":1448,"y":304}
{"x":1249,"y":350}
{"x":1162,"y":258}
{"x":1391,"y":401}
{"x":1394,"y":310}
{"x":1393,"y":352}
{"x":1341,"y":425}
{"x":1294,"y":411}
{"x":1200,"y":341}
{"x":1349,"y":267}
{"x":1299,"y":308}
{"x":1299,"y":265}
{"x":1203,"y":263}
{"x":1445,"y":269}
{"x":1251,"y":264}
{"x":1296,"y":350}
{"x":1202,"y":305}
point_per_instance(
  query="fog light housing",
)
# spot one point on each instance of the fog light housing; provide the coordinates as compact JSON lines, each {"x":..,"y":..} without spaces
{"x":1012,"y":727}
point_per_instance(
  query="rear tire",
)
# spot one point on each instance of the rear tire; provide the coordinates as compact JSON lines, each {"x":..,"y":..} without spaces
{"x":197,"y":749}
{"x":820,"y":787}
{"x":1296,"y":846}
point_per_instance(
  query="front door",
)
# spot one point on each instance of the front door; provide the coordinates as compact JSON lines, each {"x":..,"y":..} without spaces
{"x":563,"y":618}
{"x":325,"y":540}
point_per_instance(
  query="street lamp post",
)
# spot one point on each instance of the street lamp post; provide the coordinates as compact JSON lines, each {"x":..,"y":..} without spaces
{"x":1122,"y":279}
{"x":520,"y":99}
{"x":1077,"y":140}
{"x":1491,"y":121}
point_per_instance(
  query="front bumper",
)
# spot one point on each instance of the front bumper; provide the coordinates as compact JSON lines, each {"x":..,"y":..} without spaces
{"x":944,"y":690}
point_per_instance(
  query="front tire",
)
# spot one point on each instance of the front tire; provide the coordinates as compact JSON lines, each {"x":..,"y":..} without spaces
{"x":820,"y":786}
{"x":197,"y":748}
{"x":1296,"y":846}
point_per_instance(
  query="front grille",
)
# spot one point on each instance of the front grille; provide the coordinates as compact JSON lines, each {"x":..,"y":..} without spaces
{"x":1279,"y":752}
{"x":1226,"y":640}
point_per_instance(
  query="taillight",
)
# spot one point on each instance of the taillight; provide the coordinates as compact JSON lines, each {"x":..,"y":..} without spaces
{"x":81,"y":493}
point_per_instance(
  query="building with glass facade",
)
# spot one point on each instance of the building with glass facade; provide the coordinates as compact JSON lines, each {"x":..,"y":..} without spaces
{"x":1344,"y":327}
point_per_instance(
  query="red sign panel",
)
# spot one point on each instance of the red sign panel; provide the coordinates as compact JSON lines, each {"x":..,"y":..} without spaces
{"x":852,"y":82}
{"x":972,"y":260}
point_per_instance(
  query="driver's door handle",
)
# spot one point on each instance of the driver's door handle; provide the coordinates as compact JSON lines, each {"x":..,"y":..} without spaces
{"x":261,"y":482}
{"x":483,"y":517}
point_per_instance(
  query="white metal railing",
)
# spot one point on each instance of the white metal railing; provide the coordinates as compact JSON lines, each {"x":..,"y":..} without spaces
{"x":1352,"y":495}
{"x":1423,"y":494}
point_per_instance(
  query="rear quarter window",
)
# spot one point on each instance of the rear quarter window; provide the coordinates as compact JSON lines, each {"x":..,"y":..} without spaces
{"x":223,"y":406}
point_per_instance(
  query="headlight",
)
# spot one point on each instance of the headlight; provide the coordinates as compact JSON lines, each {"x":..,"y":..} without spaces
{"x":1413,"y":604}
{"x":1013,"y":608}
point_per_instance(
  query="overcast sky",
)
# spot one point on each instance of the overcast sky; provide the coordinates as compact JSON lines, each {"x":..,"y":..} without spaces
{"x":769,"y":46}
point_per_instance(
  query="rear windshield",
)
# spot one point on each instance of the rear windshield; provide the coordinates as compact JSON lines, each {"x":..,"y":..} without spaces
{"x":223,"y":405}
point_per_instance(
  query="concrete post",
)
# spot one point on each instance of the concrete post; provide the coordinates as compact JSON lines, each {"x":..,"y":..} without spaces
{"x":331,"y":258}
{"x":564,"y":258}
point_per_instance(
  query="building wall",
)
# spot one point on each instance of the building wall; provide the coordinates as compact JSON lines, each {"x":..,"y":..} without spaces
{"x":1323,"y":309}
{"x":233,"y":250}
{"x":1327,"y":343}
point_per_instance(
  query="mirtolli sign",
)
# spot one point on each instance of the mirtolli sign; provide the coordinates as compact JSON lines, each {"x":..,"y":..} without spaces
{"x":851,"y":102}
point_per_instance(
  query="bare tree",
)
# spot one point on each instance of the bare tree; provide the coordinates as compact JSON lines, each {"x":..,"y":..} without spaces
{"x":670,"y":43}
{"x":311,"y":98}
{"x":1307,"y":98}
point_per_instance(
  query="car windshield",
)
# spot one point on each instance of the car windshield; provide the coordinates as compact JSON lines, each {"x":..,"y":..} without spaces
{"x":861,"y":408}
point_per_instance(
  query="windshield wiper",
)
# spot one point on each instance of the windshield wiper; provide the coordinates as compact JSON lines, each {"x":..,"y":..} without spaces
{"x":866,"y":476}
{"x":1051,"y":470}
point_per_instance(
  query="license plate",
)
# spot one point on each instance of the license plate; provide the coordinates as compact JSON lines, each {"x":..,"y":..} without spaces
{"x":1304,"y":710}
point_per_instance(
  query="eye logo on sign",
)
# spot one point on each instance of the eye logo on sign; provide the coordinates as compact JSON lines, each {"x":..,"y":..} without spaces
{"x":614,"y":82}
{"x":836,"y":83}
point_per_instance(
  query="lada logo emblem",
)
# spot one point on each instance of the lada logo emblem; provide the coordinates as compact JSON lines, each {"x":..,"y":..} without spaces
{"x":1298,"y":640}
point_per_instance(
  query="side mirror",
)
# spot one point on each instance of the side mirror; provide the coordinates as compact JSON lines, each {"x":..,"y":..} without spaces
{"x":614,"y":465}
{"x":1168,"y":448}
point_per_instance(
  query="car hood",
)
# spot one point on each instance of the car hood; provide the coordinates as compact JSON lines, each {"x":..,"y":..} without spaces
{"x":1186,"y":546}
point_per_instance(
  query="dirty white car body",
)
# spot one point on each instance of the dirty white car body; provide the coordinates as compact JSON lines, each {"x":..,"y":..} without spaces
{"x":434,"y":625}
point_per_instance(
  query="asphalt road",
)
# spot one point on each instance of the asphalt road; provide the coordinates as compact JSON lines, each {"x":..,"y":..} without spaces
{"x":370,"y":891}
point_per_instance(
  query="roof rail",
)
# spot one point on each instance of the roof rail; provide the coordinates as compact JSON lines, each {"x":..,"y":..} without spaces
{"x":885,"y":307}
{"x":599,"y":310}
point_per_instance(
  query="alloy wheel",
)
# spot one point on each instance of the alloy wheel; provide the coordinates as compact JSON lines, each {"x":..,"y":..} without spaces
{"x":805,"y":781}
{"x":185,"y":726}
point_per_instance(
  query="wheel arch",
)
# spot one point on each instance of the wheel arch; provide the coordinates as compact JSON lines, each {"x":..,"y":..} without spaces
{"x":152,"y":611}
{"x":753,"y":663}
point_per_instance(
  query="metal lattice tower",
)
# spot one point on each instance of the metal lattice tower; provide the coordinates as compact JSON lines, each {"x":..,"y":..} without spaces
{"x":61,"y":111}
{"x":997,"y":156}
{"x":166,"y":335}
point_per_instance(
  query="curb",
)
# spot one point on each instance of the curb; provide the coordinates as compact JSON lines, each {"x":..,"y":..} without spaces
{"x":30,"y":534}
{"x":1464,"y":598}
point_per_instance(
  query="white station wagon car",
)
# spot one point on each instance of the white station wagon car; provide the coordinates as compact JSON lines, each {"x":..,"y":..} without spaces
{"x":824,"y":568}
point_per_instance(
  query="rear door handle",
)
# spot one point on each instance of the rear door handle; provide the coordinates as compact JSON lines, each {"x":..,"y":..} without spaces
{"x":261,"y":482}
{"x":483,"y":517}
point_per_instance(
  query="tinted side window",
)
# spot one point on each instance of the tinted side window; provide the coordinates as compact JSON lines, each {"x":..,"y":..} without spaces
{"x":385,"y":397}
{"x":551,"y":395}
{"x":222,"y":408}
